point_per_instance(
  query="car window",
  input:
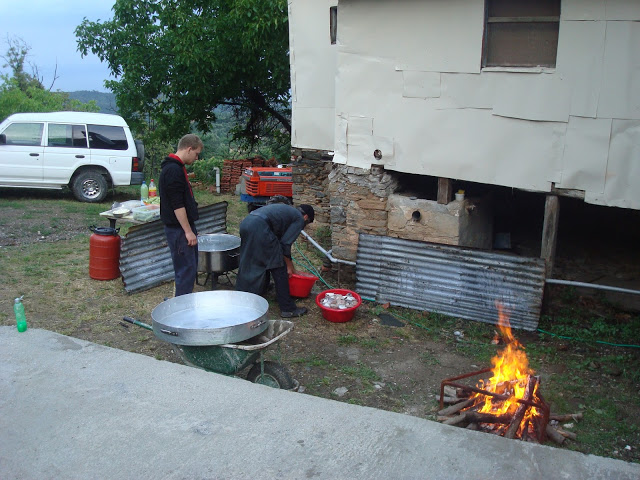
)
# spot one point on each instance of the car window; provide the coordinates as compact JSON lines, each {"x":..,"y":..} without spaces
{"x":64,"y":135}
{"x":106,"y":137}
{"x":29,"y":134}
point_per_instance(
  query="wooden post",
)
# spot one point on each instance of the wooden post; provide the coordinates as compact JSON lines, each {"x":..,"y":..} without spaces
{"x":445,"y":190}
{"x":550,"y":232}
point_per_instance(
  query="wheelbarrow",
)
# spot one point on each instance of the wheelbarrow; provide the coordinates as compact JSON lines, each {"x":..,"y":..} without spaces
{"x":232,"y":358}
{"x":222,"y":332}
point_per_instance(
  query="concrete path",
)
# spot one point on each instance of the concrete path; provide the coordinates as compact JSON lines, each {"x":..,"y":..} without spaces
{"x":71,"y":409}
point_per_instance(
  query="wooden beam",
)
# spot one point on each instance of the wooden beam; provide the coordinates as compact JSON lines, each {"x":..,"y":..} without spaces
{"x":567,"y":192}
{"x":550,"y":231}
{"x":445,"y":190}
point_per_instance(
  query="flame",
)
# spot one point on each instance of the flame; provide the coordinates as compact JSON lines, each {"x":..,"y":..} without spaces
{"x":510,"y":375}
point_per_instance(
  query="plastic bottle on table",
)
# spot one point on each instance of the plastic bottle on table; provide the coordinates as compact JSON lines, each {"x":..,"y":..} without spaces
{"x":144,"y":192}
{"x":153,"y":191}
{"x":21,"y":318}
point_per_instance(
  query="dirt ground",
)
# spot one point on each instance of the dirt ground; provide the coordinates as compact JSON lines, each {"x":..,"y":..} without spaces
{"x":364,"y":361}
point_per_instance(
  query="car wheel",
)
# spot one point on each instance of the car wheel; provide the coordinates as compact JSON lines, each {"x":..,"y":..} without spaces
{"x":90,"y":186}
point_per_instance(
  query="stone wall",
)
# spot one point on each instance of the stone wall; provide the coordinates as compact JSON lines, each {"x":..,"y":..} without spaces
{"x":310,"y":169}
{"x":358,"y":205}
{"x":350,"y":201}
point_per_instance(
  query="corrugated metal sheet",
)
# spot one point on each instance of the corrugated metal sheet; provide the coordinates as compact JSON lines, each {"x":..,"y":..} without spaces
{"x":145,"y":260}
{"x":455,"y":281}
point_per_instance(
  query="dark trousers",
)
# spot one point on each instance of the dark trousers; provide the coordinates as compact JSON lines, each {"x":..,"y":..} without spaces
{"x":184,"y":257}
{"x":281,"y":282}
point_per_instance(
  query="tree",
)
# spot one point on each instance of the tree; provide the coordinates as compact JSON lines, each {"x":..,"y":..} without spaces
{"x":16,"y":58}
{"x":176,"y":61}
{"x":23,"y":92}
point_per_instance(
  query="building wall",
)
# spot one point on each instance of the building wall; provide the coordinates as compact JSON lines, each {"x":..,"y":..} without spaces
{"x":405,"y":79}
{"x":313,"y":67}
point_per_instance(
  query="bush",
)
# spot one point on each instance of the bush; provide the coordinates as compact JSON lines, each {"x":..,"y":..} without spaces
{"x":204,"y":170}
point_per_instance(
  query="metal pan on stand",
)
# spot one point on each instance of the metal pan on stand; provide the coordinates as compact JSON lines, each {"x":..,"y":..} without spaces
{"x":218,"y":254}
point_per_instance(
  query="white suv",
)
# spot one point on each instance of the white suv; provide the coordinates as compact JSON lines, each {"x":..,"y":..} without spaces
{"x":88,"y":152}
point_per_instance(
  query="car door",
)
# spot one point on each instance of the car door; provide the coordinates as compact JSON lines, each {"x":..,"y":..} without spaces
{"x":21,"y":154}
{"x":110,"y":148}
{"x":66,"y":150}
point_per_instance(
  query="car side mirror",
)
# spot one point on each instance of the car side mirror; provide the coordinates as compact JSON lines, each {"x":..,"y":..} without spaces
{"x":3,"y":139}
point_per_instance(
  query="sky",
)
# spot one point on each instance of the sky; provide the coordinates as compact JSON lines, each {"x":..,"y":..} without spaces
{"x":47,"y":26}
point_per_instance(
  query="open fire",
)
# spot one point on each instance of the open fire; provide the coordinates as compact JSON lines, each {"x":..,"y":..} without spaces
{"x":509,"y":403}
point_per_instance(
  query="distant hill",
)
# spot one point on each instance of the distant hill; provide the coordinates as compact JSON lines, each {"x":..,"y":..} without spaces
{"x":106,"y":101}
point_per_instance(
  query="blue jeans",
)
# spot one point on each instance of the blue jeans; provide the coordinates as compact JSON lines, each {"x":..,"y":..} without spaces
{"x":184,"y":257}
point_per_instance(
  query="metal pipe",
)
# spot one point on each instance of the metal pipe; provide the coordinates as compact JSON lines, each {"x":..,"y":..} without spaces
{"x":592,"y":285}
{"x":326,"y":254}
{"x":217,"y":170}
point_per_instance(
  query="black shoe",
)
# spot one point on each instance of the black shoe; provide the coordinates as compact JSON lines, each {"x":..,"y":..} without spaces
{"x":298,"y":312}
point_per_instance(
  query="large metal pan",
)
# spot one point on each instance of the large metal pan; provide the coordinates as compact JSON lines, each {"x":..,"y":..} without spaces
{"x":210,"y":318}
{"x":218,"y":252}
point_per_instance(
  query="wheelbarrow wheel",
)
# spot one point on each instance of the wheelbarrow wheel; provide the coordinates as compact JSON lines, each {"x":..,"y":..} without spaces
{"x":275,"y":375}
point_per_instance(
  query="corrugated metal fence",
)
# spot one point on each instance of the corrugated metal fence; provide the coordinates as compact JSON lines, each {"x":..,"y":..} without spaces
{"x":455,"y":281}
{"x":145,"y":260}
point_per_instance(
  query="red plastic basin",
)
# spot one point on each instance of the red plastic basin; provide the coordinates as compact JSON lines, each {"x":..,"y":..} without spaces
{"x":300,"y":285}
{"x":338,"y":315}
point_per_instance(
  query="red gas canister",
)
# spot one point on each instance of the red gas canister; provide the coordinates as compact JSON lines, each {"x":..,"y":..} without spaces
{"x":104,"y":253}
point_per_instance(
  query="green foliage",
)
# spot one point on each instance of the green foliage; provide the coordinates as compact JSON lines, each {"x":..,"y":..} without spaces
{"x":177,"y":61}
{"x":204,"y":169}
{"x":22,"y":92}
{"x":35,"y":99}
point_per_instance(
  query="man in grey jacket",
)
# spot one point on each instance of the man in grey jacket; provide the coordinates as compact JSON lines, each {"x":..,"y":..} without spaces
{"x":266,"y":237}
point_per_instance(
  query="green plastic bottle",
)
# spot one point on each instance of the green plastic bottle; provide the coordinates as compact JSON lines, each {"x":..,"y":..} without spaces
{"x":144,"y":192}
{"x":21,"y":318}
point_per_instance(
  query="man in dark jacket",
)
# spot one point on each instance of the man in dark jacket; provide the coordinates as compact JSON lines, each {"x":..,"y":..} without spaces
{"x":179,"y":211}
{"x":266,"y":237}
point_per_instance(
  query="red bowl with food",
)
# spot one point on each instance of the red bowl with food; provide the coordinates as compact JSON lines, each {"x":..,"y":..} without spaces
{"x":300,"y":285}
{"x":338,"y":315}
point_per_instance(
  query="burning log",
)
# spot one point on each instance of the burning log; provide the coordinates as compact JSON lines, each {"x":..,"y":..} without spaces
{"x":450,"y":400}
{"x":456,"y":420}
{"x":508,"y":403}
{"x":451,"y":395}
{"x":514,"y":426}
{"x":455,"y":408}
{"x":477,"y":418}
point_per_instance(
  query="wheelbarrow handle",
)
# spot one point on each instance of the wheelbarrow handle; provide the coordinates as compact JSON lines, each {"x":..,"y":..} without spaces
{"x":136,"y":322}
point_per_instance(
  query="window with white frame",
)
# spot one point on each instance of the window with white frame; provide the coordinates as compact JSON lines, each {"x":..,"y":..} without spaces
{"x":521,"y":33}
